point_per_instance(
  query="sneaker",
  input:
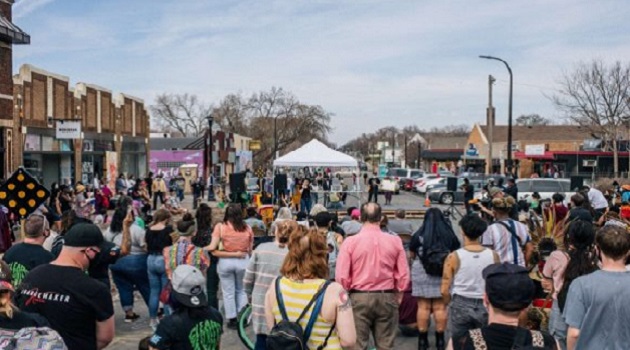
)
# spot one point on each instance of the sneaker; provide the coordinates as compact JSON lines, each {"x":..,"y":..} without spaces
{"x":153,"y":324}
{"x":131,"y":318}
{"x":232,"y":323}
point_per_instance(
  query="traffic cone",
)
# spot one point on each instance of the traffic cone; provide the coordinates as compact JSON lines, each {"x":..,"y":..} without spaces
{"x":427,"y":202}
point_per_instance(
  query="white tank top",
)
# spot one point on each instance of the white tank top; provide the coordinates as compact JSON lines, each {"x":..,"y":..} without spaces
{"x":468,"y":281}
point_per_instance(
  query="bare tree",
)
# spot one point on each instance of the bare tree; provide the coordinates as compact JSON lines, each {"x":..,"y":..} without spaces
{"x":273,"y":117}
{"x":532,"y":119}
{"x":596,"y":96}
{"x":182,"y":113}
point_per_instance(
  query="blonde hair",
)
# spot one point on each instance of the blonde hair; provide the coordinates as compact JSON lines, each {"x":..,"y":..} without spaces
{"x":6,"y":306}
{"x":284,"y":229}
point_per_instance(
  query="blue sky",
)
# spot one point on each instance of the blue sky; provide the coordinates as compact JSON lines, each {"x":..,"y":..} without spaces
{"x":371,"y":63}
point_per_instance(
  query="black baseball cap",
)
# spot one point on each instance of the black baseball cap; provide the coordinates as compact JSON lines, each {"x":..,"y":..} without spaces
{"x":83,"y":235}
{"x":508,"y":286}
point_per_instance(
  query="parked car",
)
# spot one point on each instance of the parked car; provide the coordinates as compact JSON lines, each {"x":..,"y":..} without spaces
{"x":422,"y":188}
{"x":545,"y":187}
{"x":402,"y":174}
{"x":419,"y":182}
{"x":439,"y":193}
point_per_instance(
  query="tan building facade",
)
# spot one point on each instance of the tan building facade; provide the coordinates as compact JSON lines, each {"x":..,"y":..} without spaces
{"x":531,"y":145}
{"x":110,"y":123}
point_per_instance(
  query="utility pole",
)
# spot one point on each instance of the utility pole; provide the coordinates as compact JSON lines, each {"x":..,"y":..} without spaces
{"x":406,"y":164}
{"x":490,"y":125}
{"x":393,"y":146}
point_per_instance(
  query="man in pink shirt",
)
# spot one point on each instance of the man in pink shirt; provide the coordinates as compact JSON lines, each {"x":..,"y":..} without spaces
{"x":372,"y":266}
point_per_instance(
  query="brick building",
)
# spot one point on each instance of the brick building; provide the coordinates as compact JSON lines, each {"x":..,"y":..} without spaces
{"x":534,"y":148}
{"x":110,"y":123}
{"x":10,"y":35}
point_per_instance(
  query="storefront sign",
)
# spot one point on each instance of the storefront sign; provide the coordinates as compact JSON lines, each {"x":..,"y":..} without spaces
{"x":535,"y":150}
{"x":472,"y":151}
{"x":68,"y":130}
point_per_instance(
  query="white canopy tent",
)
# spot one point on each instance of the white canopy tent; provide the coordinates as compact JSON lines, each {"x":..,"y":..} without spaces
{"x":316,"y":154}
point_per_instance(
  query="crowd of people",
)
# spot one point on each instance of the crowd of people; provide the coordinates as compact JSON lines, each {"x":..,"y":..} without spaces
{"x":536,"y":274}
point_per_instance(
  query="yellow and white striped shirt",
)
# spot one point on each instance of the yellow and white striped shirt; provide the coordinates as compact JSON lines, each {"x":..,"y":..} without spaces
{"x":296,"y":296}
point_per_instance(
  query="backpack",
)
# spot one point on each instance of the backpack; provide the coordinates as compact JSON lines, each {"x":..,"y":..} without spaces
{"x":289,"y":335}
{"x":625,"y":196}
{"x":433,"y":260}
{"x":40,"y":338}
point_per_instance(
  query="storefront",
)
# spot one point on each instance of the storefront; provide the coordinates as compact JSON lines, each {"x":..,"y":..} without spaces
{"x":93,"y":156}
{"x":134,"y":157}
{"x":47,"y":159}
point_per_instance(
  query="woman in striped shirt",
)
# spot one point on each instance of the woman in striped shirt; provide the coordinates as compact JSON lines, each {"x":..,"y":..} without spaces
{"x":304,"y":272}
{"x":264,"y":267}
{"x":184,"y":252}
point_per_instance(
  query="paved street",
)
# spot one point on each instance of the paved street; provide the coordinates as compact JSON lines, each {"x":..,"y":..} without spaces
{"x":129,"y":334}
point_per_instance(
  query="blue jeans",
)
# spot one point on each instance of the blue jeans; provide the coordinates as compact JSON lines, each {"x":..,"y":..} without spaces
{"x":557,"y":326}
{"x":231,"y":273}
{"x":261,"y":342}
{"x":180,"y":194}
{"x":129,"y":273}
{"x":157,"y":281}
{"x":305,"y":205}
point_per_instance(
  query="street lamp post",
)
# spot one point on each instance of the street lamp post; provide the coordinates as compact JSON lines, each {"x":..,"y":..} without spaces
{"x":275,"y":137}
{"x":210,"y":119}
{"x":509,"y":141}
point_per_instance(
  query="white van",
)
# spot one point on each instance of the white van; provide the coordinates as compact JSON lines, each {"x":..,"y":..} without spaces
{"x":545,"y":187}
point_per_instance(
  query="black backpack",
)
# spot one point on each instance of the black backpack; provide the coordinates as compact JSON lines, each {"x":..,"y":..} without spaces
{"x":289,"y":335}
{"x":433,"y":260}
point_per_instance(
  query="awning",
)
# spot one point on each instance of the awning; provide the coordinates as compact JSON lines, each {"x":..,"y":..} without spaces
{"x":547,"y":156}
{"x":11,"y":33}
{"x":446,"y":154}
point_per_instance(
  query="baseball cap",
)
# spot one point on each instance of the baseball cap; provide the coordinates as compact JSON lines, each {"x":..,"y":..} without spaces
{"x":80,"y":188}
{"x":5,"y":277}
{"x":356,"y":214}
{"x":508,"y":286}
{"x":83,"y":235}
{"x":493,"y":191}
{"x":189,"y":286}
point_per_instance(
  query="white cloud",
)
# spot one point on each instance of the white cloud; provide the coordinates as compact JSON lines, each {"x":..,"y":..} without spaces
{"x":370,"y":63}
{"x":25,"y":7}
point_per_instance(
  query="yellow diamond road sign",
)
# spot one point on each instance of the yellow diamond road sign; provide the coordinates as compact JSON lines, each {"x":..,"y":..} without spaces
{"x":22,"y":194}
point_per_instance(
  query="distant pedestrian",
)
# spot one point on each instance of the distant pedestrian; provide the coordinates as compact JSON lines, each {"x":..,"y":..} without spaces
{"x":159,"y":190}
{"x":373,"y":184}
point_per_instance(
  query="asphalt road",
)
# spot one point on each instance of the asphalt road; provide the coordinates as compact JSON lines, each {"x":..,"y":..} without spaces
{"x":129,"y":334}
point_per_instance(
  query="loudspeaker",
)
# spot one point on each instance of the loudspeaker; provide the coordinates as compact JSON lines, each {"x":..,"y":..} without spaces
{"x":280,"y":182}
{"x":451,"y":184}
{"x":576,"y":183}
{"x":237,"y":183}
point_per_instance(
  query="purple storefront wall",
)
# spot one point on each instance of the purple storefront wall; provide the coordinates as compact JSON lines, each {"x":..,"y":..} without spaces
{"x":185,"y":157}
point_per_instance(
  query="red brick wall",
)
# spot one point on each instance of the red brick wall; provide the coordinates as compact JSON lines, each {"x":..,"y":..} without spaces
{"x":6,"y":82}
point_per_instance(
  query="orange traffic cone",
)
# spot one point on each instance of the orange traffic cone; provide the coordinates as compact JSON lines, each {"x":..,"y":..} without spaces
{"x":427,"y":202}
